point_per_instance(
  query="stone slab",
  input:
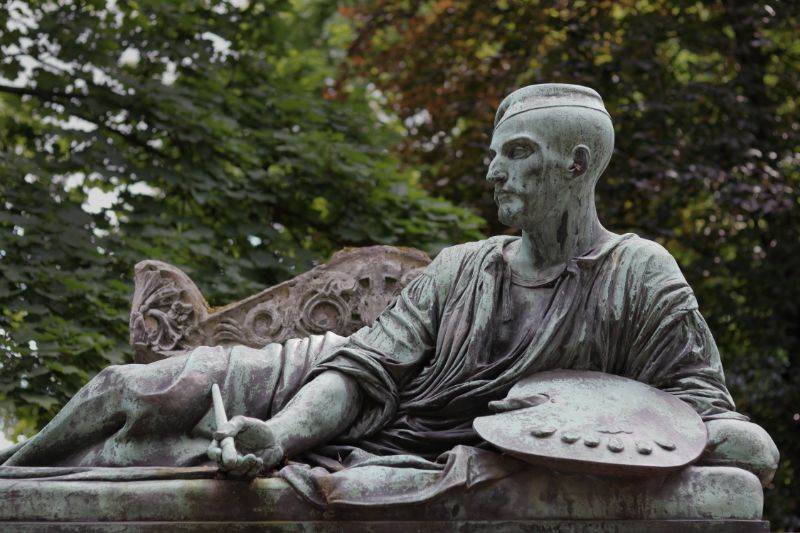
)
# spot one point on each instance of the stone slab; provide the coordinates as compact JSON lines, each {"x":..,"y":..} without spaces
{"x":531,"y":496}
{"x":509,"y":526}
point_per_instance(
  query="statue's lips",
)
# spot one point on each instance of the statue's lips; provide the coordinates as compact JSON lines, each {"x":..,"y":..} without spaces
{"x":503,"y":196}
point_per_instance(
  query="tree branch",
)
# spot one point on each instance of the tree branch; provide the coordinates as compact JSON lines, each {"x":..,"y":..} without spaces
{"x":30,"y":91}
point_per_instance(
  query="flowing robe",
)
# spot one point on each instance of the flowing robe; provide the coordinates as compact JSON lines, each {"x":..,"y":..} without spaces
{"x":623,"y":309}
{"x":426,"y":368}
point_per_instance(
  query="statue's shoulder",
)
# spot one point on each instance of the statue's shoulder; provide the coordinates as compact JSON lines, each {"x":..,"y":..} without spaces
{"x":464,"y":261}
{"x":470,"y":252}
{"x":647,"y":257}
{"x":474,"y":247}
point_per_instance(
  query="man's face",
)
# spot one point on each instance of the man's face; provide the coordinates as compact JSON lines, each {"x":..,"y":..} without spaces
{"x":529,"y":185}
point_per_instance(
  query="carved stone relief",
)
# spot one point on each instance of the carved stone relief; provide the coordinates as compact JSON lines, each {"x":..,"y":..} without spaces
{"x":170,"y":315}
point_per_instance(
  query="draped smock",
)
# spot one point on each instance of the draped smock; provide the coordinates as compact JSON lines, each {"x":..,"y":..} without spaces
{"x":623,"y":308}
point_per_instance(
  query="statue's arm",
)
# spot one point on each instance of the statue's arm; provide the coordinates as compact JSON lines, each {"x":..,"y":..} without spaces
{"x":386,"y":356}
{"x":698,"y":379}
{"x":691,"y":368}
{"x":676,"y":352}
{"x":353,"y":390}
{"x":320,"y":410}
{"x":669,"y":345}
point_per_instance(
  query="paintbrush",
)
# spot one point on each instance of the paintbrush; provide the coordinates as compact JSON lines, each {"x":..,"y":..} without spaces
{"x":229,"y":453}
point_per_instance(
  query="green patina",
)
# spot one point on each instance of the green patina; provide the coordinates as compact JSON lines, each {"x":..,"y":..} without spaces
{"x":375,"y":410}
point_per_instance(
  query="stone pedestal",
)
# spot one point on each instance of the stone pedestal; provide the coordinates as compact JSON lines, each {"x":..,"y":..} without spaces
{"x":707,"y":499}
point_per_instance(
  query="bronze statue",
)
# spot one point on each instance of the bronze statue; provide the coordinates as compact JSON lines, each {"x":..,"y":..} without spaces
{"x":404,"y":392}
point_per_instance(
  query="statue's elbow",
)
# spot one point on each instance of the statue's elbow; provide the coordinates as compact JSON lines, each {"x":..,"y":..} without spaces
{"x":741,"y":444}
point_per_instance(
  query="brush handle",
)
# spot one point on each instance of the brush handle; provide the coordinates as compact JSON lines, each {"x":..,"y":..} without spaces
{"x":229,"y":453}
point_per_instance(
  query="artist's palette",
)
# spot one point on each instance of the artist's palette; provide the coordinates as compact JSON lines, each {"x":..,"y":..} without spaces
{"x":596,"y":423}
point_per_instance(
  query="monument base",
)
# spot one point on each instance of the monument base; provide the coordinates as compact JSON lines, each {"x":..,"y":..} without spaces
{"x":697,"y":499}
{"x":472,"y":526}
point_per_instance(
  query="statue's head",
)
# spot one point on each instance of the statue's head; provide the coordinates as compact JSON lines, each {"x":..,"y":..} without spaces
{"x":550,"y":145}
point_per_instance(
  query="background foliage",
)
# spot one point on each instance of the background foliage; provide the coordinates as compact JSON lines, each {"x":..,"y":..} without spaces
{"x":244,"y":141}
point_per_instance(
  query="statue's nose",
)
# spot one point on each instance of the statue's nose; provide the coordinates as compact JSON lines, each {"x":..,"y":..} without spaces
{"x":496,"y":176}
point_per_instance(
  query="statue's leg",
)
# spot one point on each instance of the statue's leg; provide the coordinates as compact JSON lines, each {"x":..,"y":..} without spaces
{"x":8,"y":452}
{"x":160,"y":413}
{"x":94,"y":427}
{"x":742,"y":444}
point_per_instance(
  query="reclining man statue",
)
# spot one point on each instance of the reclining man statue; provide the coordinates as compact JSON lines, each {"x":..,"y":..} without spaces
{"x":567,"y":294}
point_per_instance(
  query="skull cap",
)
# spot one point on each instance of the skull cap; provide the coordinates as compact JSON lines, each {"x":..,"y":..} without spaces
{"x":548,"y":95}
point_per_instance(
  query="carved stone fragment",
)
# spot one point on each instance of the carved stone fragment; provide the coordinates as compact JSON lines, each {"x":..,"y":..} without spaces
{"x":167,"y":307}
{"x":170,"y":316}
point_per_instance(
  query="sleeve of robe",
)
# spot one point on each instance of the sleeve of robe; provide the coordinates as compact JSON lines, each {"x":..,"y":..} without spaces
{"x":672,"y":347}
{"x":383,"y":356}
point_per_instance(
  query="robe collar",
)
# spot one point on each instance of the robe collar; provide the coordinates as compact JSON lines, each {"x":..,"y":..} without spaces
{"x":496,"y":245}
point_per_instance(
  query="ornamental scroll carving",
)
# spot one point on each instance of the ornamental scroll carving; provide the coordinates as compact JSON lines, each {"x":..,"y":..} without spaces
{"x":170,"y":316}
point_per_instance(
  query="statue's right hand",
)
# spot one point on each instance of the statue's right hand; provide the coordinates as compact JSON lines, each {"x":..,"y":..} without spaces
{"x":257,"y":449}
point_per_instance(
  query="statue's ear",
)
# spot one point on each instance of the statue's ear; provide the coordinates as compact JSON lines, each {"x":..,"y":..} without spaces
{"x":580,"y":160}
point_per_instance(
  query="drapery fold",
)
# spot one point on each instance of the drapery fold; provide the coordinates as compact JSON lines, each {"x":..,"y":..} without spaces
{"x":623,"y":308}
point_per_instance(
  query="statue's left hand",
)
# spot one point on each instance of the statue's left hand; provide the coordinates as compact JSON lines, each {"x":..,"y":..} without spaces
{"x":257,"y":449}
{"x":515,"y":403}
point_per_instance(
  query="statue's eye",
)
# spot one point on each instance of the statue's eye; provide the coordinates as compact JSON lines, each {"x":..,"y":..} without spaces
{"x":519,"y":152}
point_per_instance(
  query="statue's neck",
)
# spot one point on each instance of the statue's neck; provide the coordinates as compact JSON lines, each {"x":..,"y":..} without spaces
{"x":544,"y":250}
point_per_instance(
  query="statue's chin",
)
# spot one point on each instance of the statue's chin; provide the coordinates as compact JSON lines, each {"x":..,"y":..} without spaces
{"x":509,"y":217}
